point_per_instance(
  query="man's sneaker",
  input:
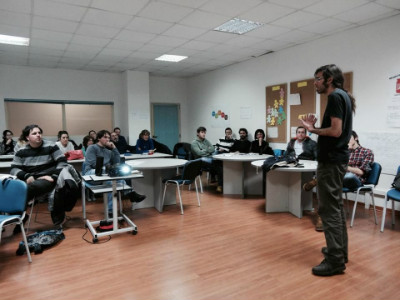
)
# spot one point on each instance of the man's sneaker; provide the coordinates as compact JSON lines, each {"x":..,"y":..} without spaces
{"x":324,"y":251}
{"x":308,"y":186}
{"x":318,"y":225}
{"x":135,"y":197}
{"x":325,"y":268}
{"x":219,"y":189}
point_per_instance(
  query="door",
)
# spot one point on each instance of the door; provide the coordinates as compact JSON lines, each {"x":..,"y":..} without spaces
{"x":166,"y":124}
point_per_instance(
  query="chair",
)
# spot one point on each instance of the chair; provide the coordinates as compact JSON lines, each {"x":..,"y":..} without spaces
{"x":190,"y":171}
{"x":393,"y":195}
{"x":367,"y":187}
{"x":182,"y":151}
{"x":12,"y":206}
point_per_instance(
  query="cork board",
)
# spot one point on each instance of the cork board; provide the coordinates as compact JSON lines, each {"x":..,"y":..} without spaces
{"x":348,"y":85}
{"x":276,"y":114}
{"x":306,"y":90}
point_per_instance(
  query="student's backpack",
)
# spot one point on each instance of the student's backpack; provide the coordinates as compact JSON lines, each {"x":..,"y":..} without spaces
{"x":396,"y":182}
{"x":39,"y":241}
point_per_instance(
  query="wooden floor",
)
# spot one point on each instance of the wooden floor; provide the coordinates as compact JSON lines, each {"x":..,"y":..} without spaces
{"x":228,"y":248}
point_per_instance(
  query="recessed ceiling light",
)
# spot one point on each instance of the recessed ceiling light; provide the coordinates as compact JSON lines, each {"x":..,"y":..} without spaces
{"x":173,"y":58}
{"x":238,"y":26}
{"x":14,"y":40}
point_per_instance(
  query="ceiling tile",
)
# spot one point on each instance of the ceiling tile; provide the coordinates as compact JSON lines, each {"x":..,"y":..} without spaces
{"x":389,"y":3}
{"x":188,"y":3}
{"x":297,"y":19}
{"x":183,"y":31}
{"x":266,"y":13}
{"x":363,"y":13}
{"x":134,"y":36}
{"x":15,"y":19}
{"x":168,"y":41}
{"x":14,"y":30}
{"x":294,"y":3}
{"x":89,"y":41}
{"x":267,"y":31}
{"x":230,"y":7}
{"x":331,"y":8}
{"x":216,"y":36}
{"x":159,"y":49}
{"x":204,"y":20}
{"x":297,"y":36}
{"x":49,"y":44}
{"x":198,"y":45}
{"x":121,"y":6}
{"x":54,"y":24}
{"x":165,"y":12}
{"x":21,"y":6}
{"x":118,"y":44}
{"x":243,"y":41}
{"x":105,"y":18}
{"x":50,"y":35}
{"x":326,"y":25}
{"x":84,"y":3}
{"x":62,"y":11}
{"x":97,"y":31}
{"x":148,"y":25}
{"x":45,"y":52}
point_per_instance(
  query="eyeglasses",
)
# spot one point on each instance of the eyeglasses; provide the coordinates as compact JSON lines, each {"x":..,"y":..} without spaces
{"x":318,"y":78}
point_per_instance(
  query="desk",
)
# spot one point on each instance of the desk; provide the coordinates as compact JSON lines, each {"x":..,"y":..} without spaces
{"x":6,"y":157}
{"x":131,"y":226}
{"x":154,"y":170}
{"x":284,"y":188}
{"x":238,"y":178}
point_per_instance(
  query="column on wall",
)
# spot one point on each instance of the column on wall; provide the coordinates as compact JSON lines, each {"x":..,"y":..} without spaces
{"x":137,"y":89}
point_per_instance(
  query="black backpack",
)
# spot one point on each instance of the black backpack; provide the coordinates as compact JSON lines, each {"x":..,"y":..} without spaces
{"x":281,"y":161}
{"x":396,"y":182}
{"x":66,"y":197}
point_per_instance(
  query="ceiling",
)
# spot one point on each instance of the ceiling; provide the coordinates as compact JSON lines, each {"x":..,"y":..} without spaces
{"x":119,"y":35}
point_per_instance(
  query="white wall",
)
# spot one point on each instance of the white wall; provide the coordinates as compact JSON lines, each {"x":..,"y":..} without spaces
{"x":371,"y":52}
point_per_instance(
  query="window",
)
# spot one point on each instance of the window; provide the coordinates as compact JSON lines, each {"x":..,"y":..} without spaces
{"x":77,"y":117}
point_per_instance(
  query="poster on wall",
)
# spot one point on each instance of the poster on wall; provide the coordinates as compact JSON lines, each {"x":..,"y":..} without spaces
{"x":220,"y":117}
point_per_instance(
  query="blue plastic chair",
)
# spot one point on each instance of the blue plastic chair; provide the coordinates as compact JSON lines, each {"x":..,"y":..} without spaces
{"x":367,"y":187}
{"x":393,"y":195}
{"x":190,"y":171}
{"x":12,"y":206}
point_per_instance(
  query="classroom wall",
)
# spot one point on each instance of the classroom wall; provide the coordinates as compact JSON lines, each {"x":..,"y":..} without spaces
{"x":371,"y":52}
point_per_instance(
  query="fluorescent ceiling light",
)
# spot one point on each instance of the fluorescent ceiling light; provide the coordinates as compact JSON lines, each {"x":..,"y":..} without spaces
{"x":238,"y":26}
{"x":173,"y":58}
{"x":14,"y":40}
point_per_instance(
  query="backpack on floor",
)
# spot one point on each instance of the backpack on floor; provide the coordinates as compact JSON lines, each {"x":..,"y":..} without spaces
{"x":40,"y":241}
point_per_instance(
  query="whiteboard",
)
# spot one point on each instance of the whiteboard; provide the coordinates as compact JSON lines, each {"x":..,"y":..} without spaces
{"x":386,"y":148}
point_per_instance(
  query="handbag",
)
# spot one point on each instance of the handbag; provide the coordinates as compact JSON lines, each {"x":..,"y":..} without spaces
{"x":74,"y":154}
{"x":396,"y":182}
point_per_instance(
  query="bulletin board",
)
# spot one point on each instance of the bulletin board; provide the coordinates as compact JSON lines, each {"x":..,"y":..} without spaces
{"x":276,"y":116}
{"x":348,"y":85}
{"x":306,"y":90}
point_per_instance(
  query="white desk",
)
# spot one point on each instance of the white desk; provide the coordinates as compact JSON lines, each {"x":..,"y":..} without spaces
{"x":93,"y":178}
{"x":239,"y":177}
{"x":284,"y":188}
{"x":6,"y":157}
{"x":154,"y":170}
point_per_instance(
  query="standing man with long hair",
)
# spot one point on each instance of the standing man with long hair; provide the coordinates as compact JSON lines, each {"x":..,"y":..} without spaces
{"x":333,"y":157}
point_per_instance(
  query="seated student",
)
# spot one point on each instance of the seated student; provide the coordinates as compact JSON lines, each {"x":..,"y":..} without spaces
{"x":39,"y":164}
{"x":8,"y":144}
{"x":87,"y":141}
{"x":121,"y":144}
{"x":243,"y":144}
{"x":302,"y":146}
{"x":63,"y":142}
{"x":111,"y":156}
{"x":21,"y":143}
{"x":225,"y":144}
{"x":144,"y":142}
{"x":259,"y":145}
{"x":93,"y":134}
{"x":360,"y":162}
{"x":202,"y":148}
